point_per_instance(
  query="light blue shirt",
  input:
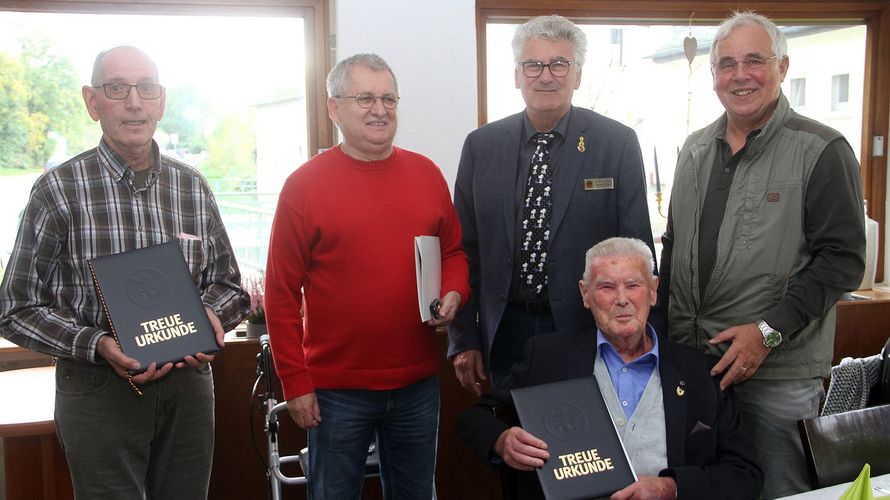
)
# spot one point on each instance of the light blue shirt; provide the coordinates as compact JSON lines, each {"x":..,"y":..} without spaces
{"x":629,"y":379}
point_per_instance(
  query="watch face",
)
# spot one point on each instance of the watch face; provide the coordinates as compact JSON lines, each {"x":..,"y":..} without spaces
{"x":772,"y":339}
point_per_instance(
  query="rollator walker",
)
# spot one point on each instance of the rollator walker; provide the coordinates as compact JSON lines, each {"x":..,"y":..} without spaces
{"x":272,"y":408}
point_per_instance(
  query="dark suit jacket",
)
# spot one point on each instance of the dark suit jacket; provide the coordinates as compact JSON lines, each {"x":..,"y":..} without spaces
{"x":485,"y":198}
{"x":716,"y":463}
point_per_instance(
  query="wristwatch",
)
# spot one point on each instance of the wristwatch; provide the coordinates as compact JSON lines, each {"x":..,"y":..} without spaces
{"x":771,"y":336}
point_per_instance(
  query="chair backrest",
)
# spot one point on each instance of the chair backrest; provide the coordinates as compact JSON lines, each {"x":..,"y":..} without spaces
{"x":837,"y":446}
{"x":884,"y":384}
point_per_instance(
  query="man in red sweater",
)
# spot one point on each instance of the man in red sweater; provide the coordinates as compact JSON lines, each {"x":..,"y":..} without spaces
{"x":359,"y":363}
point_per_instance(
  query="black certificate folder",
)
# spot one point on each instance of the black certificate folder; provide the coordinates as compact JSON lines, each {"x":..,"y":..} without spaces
{"x":587,"y":458}
{"x":152,"y":305}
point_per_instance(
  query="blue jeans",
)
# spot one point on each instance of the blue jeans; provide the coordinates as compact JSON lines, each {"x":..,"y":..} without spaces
{"x":122,"y":446}
{"x":517,"y":326}
{"x":403,"y":421}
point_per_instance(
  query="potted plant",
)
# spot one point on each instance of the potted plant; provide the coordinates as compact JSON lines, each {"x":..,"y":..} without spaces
{"x":256,"y":318}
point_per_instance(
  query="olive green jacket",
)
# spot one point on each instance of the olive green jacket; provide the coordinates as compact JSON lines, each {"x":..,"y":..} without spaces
{"x":764,"y":244}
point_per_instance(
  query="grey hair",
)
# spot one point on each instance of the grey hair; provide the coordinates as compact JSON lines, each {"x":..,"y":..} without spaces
{"x":619,"y":247}
{"x":747,"y":18}
{"x":97,"y":64}
{"x":338,"y":78}
{"x":554,"y":28}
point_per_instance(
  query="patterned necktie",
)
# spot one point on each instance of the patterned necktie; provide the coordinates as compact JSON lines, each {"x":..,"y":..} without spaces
{"x":536,"y":216}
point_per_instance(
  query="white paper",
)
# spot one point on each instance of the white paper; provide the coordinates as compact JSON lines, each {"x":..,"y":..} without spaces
{"x":428,"y":266}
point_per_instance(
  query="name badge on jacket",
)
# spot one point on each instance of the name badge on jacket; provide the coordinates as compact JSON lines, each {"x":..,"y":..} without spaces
{"x":599,"y":183}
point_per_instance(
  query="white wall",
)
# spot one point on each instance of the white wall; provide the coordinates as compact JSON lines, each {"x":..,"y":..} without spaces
{"x":431,"y":47}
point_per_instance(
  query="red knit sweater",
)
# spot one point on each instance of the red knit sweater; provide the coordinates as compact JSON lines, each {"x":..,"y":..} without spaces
{"x":343,"y":234}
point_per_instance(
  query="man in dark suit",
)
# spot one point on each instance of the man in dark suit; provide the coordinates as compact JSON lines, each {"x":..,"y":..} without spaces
{"x":533,"y":192}
{"x":681,"y":432}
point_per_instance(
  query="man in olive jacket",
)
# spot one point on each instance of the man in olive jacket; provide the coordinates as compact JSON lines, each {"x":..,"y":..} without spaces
{"x":765,"y":233}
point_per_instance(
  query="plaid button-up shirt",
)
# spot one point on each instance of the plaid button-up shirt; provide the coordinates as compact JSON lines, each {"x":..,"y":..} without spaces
{"x":89,"y":207}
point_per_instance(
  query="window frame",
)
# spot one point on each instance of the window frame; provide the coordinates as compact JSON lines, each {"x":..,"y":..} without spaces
{"x":874,"y":14}
{"x":315,"y":14}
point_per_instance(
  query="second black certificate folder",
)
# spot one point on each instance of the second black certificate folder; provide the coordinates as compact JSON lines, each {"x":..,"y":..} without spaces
{"x":587,"y":458}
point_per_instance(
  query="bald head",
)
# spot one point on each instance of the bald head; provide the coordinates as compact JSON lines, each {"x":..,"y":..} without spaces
{"x":116,"y":54}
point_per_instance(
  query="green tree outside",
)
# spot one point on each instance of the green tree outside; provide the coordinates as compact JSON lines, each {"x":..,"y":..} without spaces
{"x":55,"y":102}
{"x":231,"y":153}
{"x":40,"y":98}
{"x":13,"y":114}
{"x":39,"y":93}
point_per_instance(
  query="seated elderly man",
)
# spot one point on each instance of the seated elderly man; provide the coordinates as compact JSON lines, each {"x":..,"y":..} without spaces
{"x":681,"y":432}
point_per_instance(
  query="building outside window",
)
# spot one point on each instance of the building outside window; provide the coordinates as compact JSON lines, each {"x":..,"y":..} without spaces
{"x":840,"y":92}
{"x":798,"y":96}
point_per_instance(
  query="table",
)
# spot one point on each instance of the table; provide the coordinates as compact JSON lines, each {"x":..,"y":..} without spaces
{"x":13,"y":357}
{"x":880,"y":486}
{"x":863,"y":326}
{"x":35,"y":465}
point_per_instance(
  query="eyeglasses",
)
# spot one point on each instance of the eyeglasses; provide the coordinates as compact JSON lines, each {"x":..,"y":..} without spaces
{"x":367,"y":101}
{"x":120,"y":91}
{"x":533,"y":69}
{"x":750,"y":63}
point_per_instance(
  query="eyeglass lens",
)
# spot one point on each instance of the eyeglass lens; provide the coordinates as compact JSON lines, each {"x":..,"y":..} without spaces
{"x":534,"y":69}
{"x":751,"y":63}
{"x":122,"y":90}
{"x":367,"y":101}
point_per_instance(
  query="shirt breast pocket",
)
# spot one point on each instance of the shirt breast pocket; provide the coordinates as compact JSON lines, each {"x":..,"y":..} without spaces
{"x":193,"y":252}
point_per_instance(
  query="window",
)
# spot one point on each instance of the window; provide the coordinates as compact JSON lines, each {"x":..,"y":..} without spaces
{"x":663,"y":114}
{"x":798,"y":93}
{"x":840,"y":92}
{"x":236,"y":109}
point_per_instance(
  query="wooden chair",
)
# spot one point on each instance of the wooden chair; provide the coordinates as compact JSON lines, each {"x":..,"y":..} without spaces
{"x":837,"y":446}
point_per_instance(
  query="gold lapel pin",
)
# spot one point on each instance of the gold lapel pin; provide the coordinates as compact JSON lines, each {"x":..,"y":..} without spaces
{"x":680,"y":390}
{"x":581,"y":147}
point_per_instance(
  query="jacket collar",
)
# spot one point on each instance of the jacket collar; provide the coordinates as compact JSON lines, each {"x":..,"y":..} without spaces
{"x":508,"y":159}
{"x":772,"y":126}
{"x":571,"y":164}
{"x":769,"y":130}
{"x":673,"y":392}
